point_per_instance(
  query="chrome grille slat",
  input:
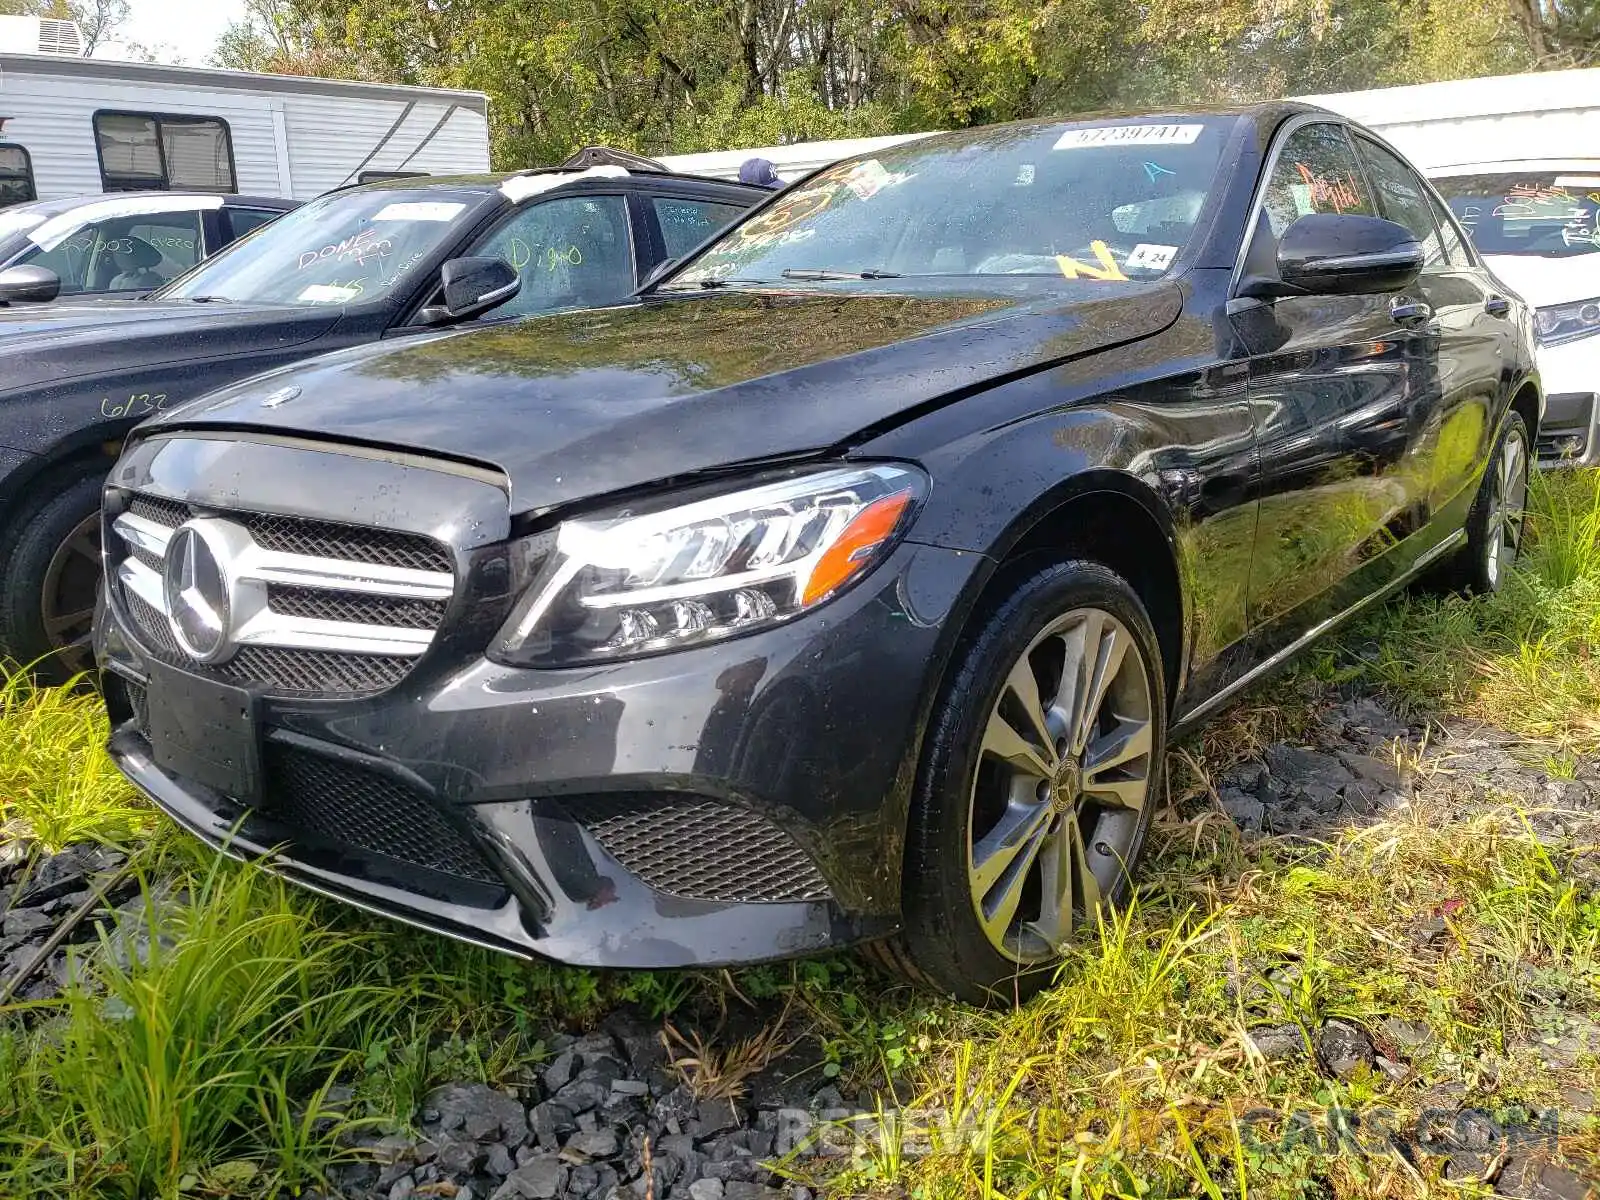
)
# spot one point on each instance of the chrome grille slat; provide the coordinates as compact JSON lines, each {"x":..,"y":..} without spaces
{"x":319,"y":607}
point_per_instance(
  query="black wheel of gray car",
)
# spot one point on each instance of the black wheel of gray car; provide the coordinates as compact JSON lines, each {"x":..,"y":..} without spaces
{"x":49,"y":580}
{"x":1037,"y":785}
{"x":1498,"y":520}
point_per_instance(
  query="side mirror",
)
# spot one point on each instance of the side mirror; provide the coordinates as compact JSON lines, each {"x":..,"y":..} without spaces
{"x":28,"y":282}
{"x":472,"y":286}
{"x":657,"y":273}
{"x":1341,"y":254}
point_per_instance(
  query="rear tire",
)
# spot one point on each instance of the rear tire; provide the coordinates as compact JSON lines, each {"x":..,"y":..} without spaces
{"x":1498,"y":520}
{"x":50,"y":576}
{"x":1037,"y":786}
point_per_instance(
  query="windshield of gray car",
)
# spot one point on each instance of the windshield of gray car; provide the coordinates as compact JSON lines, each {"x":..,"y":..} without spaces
{"x":1105,"y":201}
{"x":1547,"y":214}
{"x":346,"y":248}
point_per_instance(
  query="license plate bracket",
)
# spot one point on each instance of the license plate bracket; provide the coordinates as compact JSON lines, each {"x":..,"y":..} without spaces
{"x":206,"y":731}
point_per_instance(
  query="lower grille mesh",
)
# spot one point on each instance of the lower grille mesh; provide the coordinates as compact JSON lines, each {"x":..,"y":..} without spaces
{"x":699,"y":850}
{"x":349,"y":806}
{"x":278,"y":669}
{"x":154,"y":629}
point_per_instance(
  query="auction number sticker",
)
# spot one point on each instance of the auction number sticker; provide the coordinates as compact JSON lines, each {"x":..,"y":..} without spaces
{"x":1129,"y":135}
{"x":420,"y":210}
{"x":1152,"y":258}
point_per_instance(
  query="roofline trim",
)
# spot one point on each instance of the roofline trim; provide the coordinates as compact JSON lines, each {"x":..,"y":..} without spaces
{"x":48,"y":64}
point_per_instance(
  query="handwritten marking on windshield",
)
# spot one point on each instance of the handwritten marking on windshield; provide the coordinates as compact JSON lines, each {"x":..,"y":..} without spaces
{"x":363,"y":246}
{"x":1107,"y":270}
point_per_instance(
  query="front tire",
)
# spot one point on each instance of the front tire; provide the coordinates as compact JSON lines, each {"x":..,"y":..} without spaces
{"x":1037,"y":785}
{"x":49,"y":579}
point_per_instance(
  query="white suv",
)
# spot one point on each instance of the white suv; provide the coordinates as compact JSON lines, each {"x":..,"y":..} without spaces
{"x":1537,"y":225}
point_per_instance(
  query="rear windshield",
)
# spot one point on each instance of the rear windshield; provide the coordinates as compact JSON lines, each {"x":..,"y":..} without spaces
{"x":353,"y":247}
{"x":1063,"y":201}
{"x":1551,"y":214}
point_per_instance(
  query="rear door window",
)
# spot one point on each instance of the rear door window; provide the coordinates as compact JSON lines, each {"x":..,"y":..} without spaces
{"x":686,"y":223}
{"x":1403,"y":199}
{"x":247,"y":220}
{"x":570,"y":252}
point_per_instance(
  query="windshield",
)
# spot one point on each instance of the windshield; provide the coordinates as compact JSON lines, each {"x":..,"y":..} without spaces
{"x":1548,"y":214}
{"x":339,"y":249}
{"x":1101,"y":202}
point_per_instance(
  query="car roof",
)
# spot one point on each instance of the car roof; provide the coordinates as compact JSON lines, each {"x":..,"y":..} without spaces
{"x":65,"y":204}
{"x":643,"y":180}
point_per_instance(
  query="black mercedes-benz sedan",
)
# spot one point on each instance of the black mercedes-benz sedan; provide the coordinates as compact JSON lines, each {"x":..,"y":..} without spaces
{"x":845,"y":586}
{"x":383,"y":261}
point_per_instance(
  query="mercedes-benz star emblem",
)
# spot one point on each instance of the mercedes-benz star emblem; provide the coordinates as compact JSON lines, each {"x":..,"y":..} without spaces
{"x":282,"y":396}
{"x":196,"y":589}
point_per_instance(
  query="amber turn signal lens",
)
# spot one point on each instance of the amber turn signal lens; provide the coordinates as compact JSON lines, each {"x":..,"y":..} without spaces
{"x":852,"y":551}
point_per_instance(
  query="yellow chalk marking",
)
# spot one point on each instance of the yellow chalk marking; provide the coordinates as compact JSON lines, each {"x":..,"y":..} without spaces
{"x":1108,"y":269}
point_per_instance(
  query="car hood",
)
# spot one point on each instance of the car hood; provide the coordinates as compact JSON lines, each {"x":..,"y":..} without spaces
{"x":1546,"y":281}
{"x":582,"y":404}
{"x":54,"y":343}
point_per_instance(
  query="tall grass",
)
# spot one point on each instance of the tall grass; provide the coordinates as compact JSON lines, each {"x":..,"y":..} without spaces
{"x":1527,"y":658}
{"x":56,"y":784}
{"x":193,"y":1037}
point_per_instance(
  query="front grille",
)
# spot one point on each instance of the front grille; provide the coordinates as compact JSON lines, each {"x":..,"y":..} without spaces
{"x":349,"y":806}
{"x":287,"y":670}
{"x":319,"y":640}
{"x":356,"y":543}
{"x":160,"y":510}
{"x":154,"y":629}
{"x":699,"y":850}
{"x":322,"y":605}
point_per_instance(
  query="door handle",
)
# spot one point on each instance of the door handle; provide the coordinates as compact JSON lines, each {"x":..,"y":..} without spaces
{"x":1497,"y":306}
{"x":1410,"y":312}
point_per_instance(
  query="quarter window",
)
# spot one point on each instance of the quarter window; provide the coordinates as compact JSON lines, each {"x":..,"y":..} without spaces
{"x":1316,"y":172}
{"x":16,"y":176}
{"x":687,"y":223}
{"x":141,"y":151}
{"x":571,"y":252}
{"x":1403,"y":199}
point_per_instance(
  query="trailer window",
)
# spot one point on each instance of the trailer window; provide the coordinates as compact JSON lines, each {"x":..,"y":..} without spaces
{"x":141,"y":151}
{"x":16,"y":176}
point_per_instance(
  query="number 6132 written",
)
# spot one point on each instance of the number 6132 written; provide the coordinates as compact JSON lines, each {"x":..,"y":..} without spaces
{"x":139,"y":404}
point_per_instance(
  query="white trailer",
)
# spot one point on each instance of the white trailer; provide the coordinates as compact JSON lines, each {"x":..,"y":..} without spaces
{"x":790,"y":161}
{"x":81,"y":125}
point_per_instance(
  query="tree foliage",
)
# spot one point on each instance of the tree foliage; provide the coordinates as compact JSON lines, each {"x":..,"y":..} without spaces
{"x":674,"y":75}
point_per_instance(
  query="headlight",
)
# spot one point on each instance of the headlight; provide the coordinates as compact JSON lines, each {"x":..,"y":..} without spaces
{"x":642,"y":582}
{"x":1565,"y":322}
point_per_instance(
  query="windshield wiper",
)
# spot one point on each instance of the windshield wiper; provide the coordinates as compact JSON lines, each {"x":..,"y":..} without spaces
{"x":716,"y":283}
{"x":823,"y":273}
{"x":208,"y":300}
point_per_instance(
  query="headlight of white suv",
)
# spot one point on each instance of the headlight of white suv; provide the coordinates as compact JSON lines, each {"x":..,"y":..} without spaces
{"x":640,"y":582}
{"x":1565,"y":322}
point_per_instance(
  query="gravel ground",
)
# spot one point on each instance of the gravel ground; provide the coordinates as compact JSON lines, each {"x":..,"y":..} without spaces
{"x":606,"y":1118}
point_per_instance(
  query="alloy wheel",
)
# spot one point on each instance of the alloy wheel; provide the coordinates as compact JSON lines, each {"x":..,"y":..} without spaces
{"x":1063,"y":774}
{"x":1508,"y":499}
{"x":67,"y":596}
